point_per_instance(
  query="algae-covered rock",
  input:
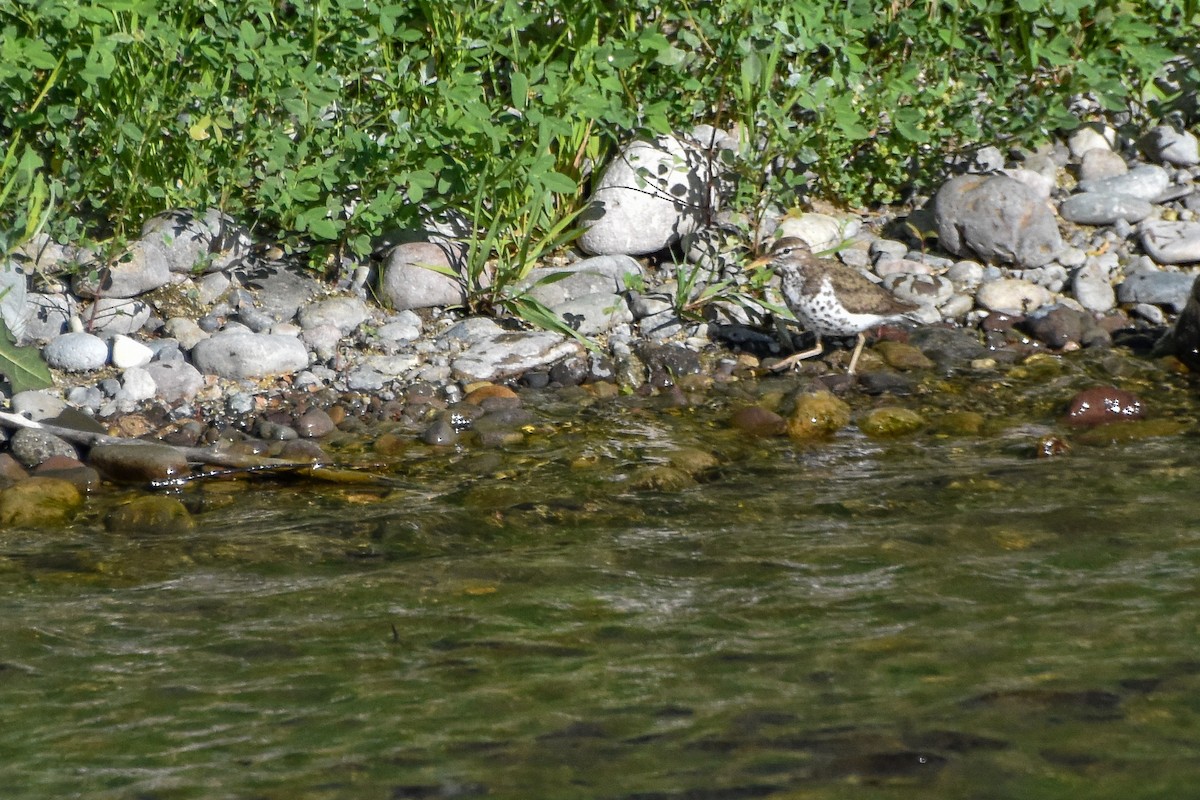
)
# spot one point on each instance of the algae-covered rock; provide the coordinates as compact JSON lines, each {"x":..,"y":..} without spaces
{"x":692,"y":460}
{"x":902,"y":356}
{"x":149,"y":514}
{"x":1131,"y":431}
{"x":758,"y":421}
{"x":817,"y":414}
{"x":960,"y":423}
{"x":660,"y":478}
{"x":38,"y":502}
{"x":890,"y":421}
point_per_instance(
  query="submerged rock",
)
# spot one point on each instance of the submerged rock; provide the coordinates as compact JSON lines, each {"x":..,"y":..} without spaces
{"x":38,"y":502}
{"x":817,"y":414}
{"x":149,"y":514}
{"x":890,"y":421}
{"x":1103,"y":404}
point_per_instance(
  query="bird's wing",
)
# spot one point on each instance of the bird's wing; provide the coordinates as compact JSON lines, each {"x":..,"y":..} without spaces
{"x":861,"y":296}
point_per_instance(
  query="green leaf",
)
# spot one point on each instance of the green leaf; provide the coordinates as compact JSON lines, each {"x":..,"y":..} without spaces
{"x":22,"y":366}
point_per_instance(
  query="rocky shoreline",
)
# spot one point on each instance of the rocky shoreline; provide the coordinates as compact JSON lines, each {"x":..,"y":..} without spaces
{"x":200,"y":335}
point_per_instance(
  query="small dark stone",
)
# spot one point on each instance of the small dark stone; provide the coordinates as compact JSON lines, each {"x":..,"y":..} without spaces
{"x":1059,"y":326}
{"x":569,"y":371}
{"x":536,"y":379}
{"x":876,"y":383}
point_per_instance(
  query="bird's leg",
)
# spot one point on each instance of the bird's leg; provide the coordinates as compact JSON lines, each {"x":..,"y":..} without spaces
{"x":795,"y":358}
{"x":858,"y":348}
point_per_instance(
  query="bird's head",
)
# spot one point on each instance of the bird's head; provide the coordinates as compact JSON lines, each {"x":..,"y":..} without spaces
{"x":788,"y":252}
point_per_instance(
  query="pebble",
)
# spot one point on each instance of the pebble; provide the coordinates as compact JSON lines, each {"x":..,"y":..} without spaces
{"x":76,"y":352}
{"x":152,"y":513}
{"x":128,"y":352}
{"x":1095,"y":208}
{"x":1146,"y":182}
{"x":1012,"y":296}
{"x":889,"y":422}
{"x":1091,"y":287}
{"x":38,"y":404}
{"x":31,"y":446}
{"x":138,"y":462}
{"x":176,"y":381}
{"x":38,"y":502}
{"x":1097,"y":164}
{"x":344,"y":314}
{"x":1088,"y":138}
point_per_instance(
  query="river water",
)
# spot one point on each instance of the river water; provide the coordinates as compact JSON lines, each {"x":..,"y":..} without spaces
{"x":937,"y":616}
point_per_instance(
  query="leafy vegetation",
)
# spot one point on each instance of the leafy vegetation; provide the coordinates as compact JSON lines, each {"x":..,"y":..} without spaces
{"x":330,"y":122}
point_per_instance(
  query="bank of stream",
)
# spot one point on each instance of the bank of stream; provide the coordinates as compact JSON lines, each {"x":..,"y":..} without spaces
{"x":638,"y":599}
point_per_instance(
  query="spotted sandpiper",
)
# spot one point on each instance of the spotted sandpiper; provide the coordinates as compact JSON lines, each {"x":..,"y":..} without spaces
{"x":829,"y":299}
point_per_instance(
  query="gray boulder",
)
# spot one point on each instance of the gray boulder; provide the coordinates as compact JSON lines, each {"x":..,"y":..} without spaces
{"x":143,"y":268}
{"x":192,"y":241}
{"x":414,"y":276}
{"x":249,"y":355}
{"x":998,"y":219}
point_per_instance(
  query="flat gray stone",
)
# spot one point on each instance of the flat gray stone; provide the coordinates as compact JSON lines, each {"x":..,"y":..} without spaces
{"x":176,"y":381}
{"x":509,"y":354}
{"x":1092,"y":289}
{"x":1172,"y":242}
{"x":143,"y":268}
{"x":344,"y":313}
{"x":249,"y":355}
{"x":1168,"y":145}
{"x":1147,"y":182}
{"x":14,"y":308}
{"x":47,"y":315}
{"x":1095,"y":208}
{"x":113,"y":315}
{"x":594,"y":313}
{"x":1164,"y":288}
{"x":999,"y":219}
{"x":76,"y":352}
{"x":279,"y":291}
{"x":38,"y":404}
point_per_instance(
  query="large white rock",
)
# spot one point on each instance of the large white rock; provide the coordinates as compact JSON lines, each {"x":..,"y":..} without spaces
{"x":648,"y":197}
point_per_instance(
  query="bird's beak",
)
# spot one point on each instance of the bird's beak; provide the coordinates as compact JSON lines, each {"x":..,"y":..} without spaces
{"x":757,"y":263}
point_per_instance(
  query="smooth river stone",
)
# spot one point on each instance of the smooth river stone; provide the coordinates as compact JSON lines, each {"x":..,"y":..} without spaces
{"x":138,"y":462}
{"x":249,"y":355}
{"x":1094,"y":208}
